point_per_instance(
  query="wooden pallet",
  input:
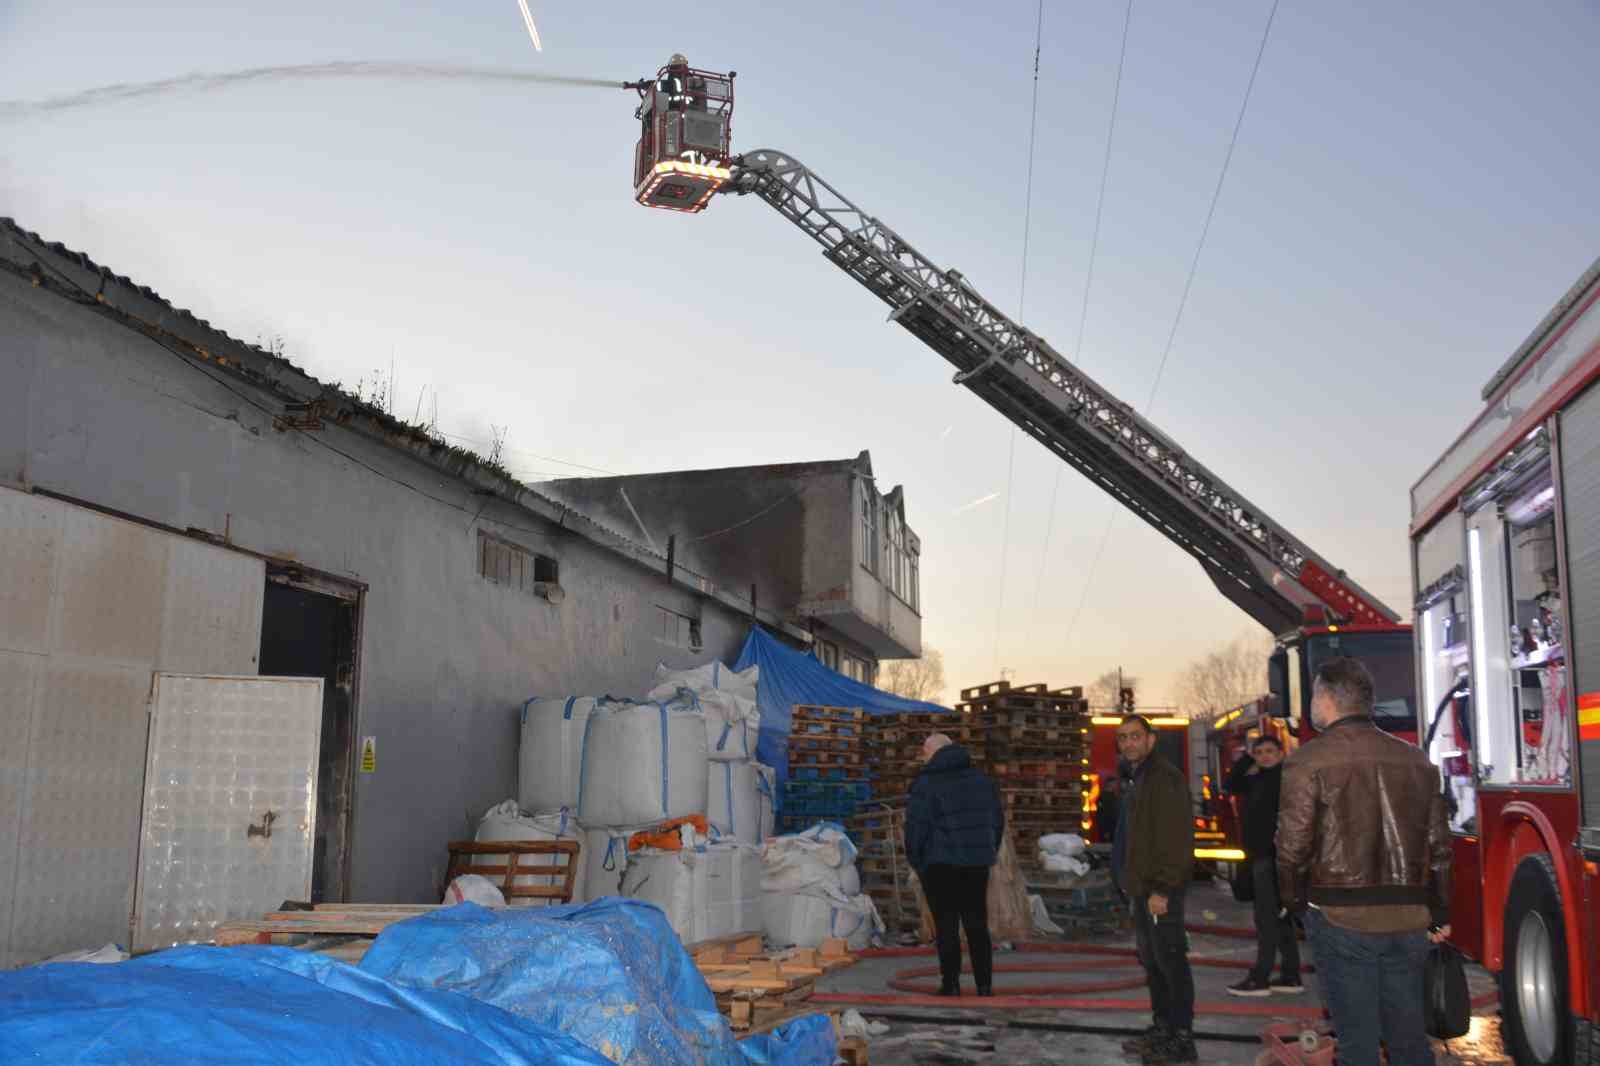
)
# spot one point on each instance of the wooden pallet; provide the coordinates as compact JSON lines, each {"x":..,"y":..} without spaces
{"x":807,"y":742}
{"x":756,"y":989}
{"x":326,"y":919}
{"x":816,"y":714}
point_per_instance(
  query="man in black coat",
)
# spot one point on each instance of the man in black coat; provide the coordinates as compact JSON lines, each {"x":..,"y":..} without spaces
{"x":1256,"y":779}
{"x":954,"y":825}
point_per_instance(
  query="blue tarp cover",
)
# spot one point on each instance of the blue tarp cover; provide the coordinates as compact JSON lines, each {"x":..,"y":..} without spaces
{"x":789,"y":677}
{"x":582,"y":985}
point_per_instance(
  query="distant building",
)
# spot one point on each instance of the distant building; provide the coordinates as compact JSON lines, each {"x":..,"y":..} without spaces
{"x":817,"y":542}
{"x":175,"y":501}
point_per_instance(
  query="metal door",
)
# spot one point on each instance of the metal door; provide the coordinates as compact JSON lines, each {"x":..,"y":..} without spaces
{"x":230,"y":803}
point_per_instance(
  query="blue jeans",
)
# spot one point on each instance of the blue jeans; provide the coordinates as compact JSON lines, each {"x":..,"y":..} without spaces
{"x":1372,"y":985}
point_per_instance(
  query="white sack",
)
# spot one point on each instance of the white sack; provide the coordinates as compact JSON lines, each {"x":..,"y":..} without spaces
{"x":675,"y":881}
{"x":605,"y":860}
{"x":806,"y":920}
{"x":1042,"y":922}
{"x":550,"y":759}
{"x":712,"y":677}
{"x":821,"y":859}
{"x":1067,"y":845}
{"x":474,"y":888}
{"x":109,"y":953}
{"x":642,"y":763}
{"x":1062,"y":864}
{"x":739,"y":800}
{"x":505,"y":822}
{"x":733,"y":889}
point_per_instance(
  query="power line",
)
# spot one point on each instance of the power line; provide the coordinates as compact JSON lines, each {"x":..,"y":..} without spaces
{"x":1088,"y":283}
{"x":1183,"y":301}
{"x":1022,"y":299}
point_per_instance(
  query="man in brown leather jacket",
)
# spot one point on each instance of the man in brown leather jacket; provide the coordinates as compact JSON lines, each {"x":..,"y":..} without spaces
{"x":1362,"y":842}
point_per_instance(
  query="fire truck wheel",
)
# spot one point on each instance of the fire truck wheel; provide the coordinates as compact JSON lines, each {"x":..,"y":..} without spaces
{"x":1533,"y":979}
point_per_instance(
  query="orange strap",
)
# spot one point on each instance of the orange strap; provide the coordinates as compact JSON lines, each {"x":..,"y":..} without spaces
{"x":665,"y":836}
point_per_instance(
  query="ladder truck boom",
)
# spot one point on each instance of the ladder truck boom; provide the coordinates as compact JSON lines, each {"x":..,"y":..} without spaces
{"x":683,"y":158}
{"x":1270,"y":574}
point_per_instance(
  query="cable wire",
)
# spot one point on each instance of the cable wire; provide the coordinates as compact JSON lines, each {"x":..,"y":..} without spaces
{"x":1183,"y":301}
{"x":1088,"y":283}
{"x":1022,"y":299}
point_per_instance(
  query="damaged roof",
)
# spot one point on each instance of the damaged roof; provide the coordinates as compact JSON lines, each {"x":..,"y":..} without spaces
{"x":73,"y":276}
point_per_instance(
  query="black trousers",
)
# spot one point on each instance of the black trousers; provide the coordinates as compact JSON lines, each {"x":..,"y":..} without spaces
{"x":1164,"y":954}
{"x":958,"y":898}
{"x":1274,"y":936}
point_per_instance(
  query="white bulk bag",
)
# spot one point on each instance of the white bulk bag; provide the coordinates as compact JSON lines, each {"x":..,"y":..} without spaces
{"x":505,"y":822}
{"x":821,"y":859}
{"x":675,"y":881}
{"x":739,"y":800}
{"x":605,"y":859}
{"x":733,"y":889}
{"x":733,"y":724}
{"x":713,"y":676}
{"x":642,"y":763}
{"x":806,"y":920}
{"x":551,"y":757}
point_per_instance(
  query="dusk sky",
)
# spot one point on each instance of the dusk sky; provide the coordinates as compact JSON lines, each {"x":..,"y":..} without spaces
{"x":1414,"y":186}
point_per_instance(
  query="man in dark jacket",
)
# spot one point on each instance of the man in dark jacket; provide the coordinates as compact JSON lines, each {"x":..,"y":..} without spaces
{"x":1157,"y":864}
{"x":1255,"y":779}
{"x":954,"y":825}
{"x":1362,"y":841}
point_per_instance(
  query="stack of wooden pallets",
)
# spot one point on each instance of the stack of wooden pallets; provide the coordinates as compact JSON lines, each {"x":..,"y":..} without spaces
{"x":1034,"y":744}
{"x":879,"y":832}
{"x":758,"y":990}
{"x":829,"y":772}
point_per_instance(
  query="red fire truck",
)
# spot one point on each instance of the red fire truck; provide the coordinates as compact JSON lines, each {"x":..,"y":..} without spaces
{"x":1505,"y":544}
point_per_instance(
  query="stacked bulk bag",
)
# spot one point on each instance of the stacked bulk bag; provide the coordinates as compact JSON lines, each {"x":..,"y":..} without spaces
{"x":739,"y":800}
{"x":811,"y":891}
{"x":550,"y":761}
{"x":605,"y":860}
{"x":727,"y":699}
{"x":505,"y":822}
{"x":733,"y":887}
{"x":675,"y":881}
{"x":642,"y":763}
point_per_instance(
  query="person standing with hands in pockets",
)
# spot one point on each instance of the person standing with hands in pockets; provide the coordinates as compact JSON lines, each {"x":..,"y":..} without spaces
{"x":1156,"y":866}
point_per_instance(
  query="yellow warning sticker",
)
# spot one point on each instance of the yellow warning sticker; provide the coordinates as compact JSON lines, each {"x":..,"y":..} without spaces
{"x":369,"y":755}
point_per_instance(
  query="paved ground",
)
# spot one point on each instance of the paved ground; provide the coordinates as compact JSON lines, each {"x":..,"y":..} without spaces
{"x":963,"y":1034}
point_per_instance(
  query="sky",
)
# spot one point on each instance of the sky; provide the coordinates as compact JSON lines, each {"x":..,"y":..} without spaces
{"x":1411,"y":191}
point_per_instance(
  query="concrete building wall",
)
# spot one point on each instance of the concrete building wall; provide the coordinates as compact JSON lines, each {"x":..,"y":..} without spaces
{"x":93,"y":411}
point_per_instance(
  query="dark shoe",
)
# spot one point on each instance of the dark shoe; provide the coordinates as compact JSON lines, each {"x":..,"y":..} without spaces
{"x":1177,"y":1047}
{"x":1287,"y":985}
{"x":985,"y":991}
{"x":949,"y":990}
{"x":1250,"y":986}
{"x":1150,"y":1038}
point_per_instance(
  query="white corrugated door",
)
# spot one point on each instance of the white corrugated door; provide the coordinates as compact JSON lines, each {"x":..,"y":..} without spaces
{"x":230,"y":803}
{"x":90,"y":608}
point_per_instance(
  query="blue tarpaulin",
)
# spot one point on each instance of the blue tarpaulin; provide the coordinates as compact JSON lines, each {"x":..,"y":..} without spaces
{"x":789,"y":677}
{"x":592,"y":984}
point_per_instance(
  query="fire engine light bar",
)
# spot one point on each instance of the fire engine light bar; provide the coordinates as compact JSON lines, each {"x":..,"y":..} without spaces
{"x":1169,"y":721}
{"x":1220,"y":854}
{"x":1104,"y":719}
{"x":699,"y":170}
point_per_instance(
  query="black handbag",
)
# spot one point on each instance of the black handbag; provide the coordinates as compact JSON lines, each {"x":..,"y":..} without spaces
{"x":1446,"y":1002}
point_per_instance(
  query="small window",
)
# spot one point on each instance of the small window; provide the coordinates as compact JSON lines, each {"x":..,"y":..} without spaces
{"x":828,"y":654}
{"x":679,"y":630}
{"x":510,"y":564}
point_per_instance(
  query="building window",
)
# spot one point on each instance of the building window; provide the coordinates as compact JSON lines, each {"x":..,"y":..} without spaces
{"x":857,"y":669}
{"x":869,"y":526}
{"x":828,"y":654}
{"x":505,"y":563}
{"x":915,"y":599}
{"x":679,"y":630}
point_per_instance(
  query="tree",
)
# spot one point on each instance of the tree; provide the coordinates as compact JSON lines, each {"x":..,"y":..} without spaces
{"x":916,"y":679}
{"x":1223,"y":679}
{"x":1104,"y":693}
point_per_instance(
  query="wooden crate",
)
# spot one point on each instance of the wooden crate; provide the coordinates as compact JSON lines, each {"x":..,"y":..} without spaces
{"x":462,"y":853}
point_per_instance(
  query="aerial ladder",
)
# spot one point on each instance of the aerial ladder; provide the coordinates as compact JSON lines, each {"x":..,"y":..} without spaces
{"x":1312,"y":608}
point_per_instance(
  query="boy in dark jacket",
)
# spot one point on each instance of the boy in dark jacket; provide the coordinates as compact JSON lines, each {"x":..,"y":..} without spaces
{"x":954,"y":825}
{"x":1256,"y":779}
